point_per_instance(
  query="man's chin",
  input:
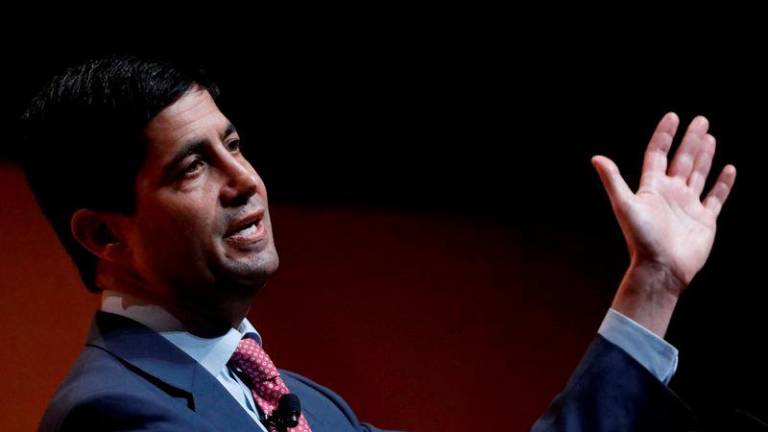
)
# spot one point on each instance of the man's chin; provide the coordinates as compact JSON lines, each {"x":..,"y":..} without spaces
{"x":251,"y":273}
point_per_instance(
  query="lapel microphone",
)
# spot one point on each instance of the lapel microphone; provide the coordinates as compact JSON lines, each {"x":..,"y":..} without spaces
{"x":287,"y":413}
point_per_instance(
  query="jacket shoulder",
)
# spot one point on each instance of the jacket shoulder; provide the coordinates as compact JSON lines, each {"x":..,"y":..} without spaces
{"x":102,"y":392}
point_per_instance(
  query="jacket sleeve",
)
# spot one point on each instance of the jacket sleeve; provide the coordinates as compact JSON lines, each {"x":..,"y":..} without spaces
{"x":611,"y":391}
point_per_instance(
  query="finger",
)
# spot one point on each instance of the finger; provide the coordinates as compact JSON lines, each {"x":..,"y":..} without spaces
{"x":615,"y":186}
{"x":655,"y":160}
{"x":682,"y":163}
{"x":702,"y":164}
{"x":720,"y":191}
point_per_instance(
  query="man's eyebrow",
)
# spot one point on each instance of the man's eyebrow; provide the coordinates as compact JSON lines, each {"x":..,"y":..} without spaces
{"x":195,"y":147}
{"x":229,"y":130}
{"x":188,"y":148}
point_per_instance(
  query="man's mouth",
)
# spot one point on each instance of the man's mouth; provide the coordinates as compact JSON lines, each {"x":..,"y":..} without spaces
{"x":248,"y":230}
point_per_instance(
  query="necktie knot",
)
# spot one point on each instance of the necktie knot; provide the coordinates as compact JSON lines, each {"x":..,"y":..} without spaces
{"x":251,"y":359}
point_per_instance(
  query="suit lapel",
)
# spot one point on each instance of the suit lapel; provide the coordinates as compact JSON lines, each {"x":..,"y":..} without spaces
{"x":149,"y":352}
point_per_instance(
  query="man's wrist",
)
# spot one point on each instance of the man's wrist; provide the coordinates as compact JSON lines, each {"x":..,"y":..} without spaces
{"x":648,"y":295}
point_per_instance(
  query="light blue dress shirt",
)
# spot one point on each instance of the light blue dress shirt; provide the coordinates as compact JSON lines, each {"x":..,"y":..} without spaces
{"x":651,"y":351}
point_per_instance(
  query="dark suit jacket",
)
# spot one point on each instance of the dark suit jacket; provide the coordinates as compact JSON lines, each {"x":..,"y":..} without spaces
{"x":611,"y":391}
{"x":129,"y":378}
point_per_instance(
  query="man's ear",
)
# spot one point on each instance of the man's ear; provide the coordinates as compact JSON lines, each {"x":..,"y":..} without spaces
{"x":99,"y":233}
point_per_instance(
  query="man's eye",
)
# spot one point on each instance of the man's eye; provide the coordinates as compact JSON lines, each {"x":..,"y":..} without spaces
{"x":233,"y":146}
{"x":193,"y":167}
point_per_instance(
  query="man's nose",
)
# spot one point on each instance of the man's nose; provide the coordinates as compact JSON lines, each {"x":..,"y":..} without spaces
{"x":242,"y":183}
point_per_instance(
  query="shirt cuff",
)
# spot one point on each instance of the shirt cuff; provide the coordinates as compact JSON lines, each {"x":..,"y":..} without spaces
{"x":651,"y":351}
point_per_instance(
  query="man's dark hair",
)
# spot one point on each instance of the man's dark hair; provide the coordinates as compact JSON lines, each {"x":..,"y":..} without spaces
{"x":83,"y":139}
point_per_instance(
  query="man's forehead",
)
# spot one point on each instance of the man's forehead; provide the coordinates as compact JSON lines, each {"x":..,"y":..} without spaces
{"x":194,"y":112}
{"x":193,"y":117}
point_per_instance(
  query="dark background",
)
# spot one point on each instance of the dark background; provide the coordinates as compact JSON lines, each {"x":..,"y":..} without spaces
{"x":467,"y":146}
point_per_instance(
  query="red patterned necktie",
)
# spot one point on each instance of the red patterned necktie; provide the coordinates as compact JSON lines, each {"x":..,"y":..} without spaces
{"x":266,"y":384}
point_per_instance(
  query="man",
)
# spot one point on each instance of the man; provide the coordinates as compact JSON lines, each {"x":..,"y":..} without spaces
{"x":143,"y":180}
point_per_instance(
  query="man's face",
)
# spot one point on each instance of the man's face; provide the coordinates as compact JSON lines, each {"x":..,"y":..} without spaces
{"x":201,"y":230}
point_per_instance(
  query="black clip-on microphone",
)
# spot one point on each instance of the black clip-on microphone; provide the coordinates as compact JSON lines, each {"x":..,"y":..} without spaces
{"x":287,"y":413}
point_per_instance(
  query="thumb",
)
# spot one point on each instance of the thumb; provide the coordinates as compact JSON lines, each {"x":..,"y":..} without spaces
{"x":614,"y":184}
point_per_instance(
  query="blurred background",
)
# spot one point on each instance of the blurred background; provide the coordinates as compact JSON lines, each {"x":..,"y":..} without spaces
{"x":446,"y":245}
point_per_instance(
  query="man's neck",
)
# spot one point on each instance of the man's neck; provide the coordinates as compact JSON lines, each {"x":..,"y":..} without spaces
{"x":203,"y":318}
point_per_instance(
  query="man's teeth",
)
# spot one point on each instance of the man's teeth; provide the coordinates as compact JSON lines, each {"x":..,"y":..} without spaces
{"x":250,"y":229}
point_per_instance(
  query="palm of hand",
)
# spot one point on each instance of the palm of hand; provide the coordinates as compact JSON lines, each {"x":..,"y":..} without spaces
{"x":665,"y":222}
